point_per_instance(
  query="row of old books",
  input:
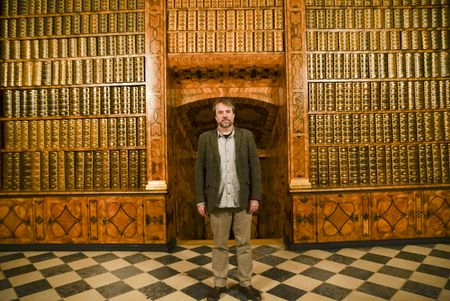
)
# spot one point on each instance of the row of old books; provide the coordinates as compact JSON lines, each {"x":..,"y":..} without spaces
{"x":239,"y":19}
{"x":80,"y":47}
{"x":380,"y":165}
{"x":376,"y":96}
{"x":379,"y":127}
{"x":74,"y":133}
{"x":37,"y":7}
{"x":73,"y":72}
{"x":377,"y":18}
{"x":179,"y":4}
{"x":85,"y":101}
{"x":378,"y":65}
{"x":377,"y":40}
{"x":371,"y":3}
{"x":72,"y":24}
{"x":226,"y":41}
{"x":73,"y":170}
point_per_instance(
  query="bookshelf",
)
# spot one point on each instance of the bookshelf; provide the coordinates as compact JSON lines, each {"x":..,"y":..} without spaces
{"x":378,"y":84}
{"x":73,"y":95}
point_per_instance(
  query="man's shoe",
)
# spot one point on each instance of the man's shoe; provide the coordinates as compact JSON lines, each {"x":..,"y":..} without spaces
{"x":214,"y":293}
{"x":251,"y":293}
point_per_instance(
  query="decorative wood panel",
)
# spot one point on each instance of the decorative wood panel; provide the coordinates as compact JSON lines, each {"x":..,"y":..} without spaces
{"x":436,"y":211}
{"x":305,"y":219}
{"x":393,"y":215}
{"x":16,"y":221}
{"x":340,"y":217}
{"x":120,"y":220}
{"x":155,"y":220}
{"x":65,"y":220}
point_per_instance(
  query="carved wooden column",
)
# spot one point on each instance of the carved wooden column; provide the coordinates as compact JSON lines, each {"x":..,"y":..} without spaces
{"x":297,"y":94}
{"x":156,"y":95}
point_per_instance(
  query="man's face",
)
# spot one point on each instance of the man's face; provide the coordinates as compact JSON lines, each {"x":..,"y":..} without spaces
{"x":224,"y":115}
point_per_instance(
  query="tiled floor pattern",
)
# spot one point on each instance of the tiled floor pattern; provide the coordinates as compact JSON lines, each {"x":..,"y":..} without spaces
{"x":410,"y":273}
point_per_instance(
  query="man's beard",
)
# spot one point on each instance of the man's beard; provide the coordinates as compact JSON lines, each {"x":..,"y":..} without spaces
{"x":225,"y":124}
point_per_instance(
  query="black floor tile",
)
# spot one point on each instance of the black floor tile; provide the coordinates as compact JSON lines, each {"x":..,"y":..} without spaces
{"x":200,"y":260}
{"x":305,"y":259}
{"x":394,"y":271}
{"x":199,"y":273}
{"x":377,"y":290}
{"x":278,"y":274}
{"x":4,"y":284}
{"x":73,"y":288}
{"x":73,"y":257}
{"x":163,"y":273}
{"x":105,"y":257}
{"x":167,"y":259}
{"x":376,"y":258}
{"x":434,"y":270}
{"x":11,"y":257}
{"x":114,"y":289}
{"x":127,"y":272}
{"x":286,"y":292}
{"x":263,"y":250}
{"x":317,"y":273}
{"x":271,"y":260}
{"x":136,"y":258}
{"x":410,"y":256}
{"x":421,"y":289}
{"x":197,"y":291}
{"x":157,"y":290}
{"x":32,"y":288}
{"x":356,"y":273}
{"x":91,"y":271}
{"x":42,"y":257}
{"x":56,"y":270}
{"x":331,"y":291}
{"x":440,"y":253}
{"x":341,"y":259}
{"x":202,"y":249}
{"x":19,"y":270}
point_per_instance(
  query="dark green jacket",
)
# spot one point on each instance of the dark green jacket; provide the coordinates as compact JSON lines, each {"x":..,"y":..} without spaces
{"x":207,"y":169}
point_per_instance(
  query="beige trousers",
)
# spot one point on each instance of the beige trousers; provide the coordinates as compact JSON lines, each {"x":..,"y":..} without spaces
{"x":221,"y":222}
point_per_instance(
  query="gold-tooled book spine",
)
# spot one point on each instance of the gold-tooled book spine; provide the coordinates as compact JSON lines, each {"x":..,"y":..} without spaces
{"x":115,"y":169}
{"x":333,"y":165}
{"x":94,"y":133}
{"x":312,"y":129}
{"x":437,"y":165}
{"x":404,"y":175}
{"x":78,"y":133}
{"x":61,"y":170}
{"x":112,"y":132}
{"x":372,"y":165}
{"x":142,"y":168}
{"x":9,"y":135}
{"x":25,"y":173}
{"x":314,"y":175}
{"x":103,"y":133}
{"x":141,"y":131}
{"x":124,"y":169}
{"x":88,"y":170}
{"x":323,"y":166}
{"x":353,"y":165}
{"x":320,"y":129}
{"x":445,"y":162}
{"x":70,"y":170}
{"x":133,"y":169}
{"x":97,"y":167}
{"x":33,"y":134}
{"x":80,"y":170}
{"x":7,"y":171}
{"x":53,"y":170}
{"x":86,"y":133}
{"x":106,"y":169}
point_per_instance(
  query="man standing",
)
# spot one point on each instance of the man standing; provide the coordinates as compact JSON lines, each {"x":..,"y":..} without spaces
{"x":227,"y":185}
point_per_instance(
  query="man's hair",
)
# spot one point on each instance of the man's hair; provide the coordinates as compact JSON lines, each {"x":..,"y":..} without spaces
{"x":225,"y":101}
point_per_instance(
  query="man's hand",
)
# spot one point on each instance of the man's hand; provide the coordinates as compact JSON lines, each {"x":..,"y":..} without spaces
{"x":253,"y":206}
{"x":201,"y":208}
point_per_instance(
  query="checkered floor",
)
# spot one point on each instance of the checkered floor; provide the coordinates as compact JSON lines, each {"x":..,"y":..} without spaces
{"x":411,"y":272}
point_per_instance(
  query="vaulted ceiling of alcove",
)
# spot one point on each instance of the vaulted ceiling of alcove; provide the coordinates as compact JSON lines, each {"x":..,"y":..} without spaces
{"x":256,"y":116}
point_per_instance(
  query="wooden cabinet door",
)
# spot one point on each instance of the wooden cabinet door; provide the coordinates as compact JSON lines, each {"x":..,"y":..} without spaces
{"x":65,"y":220}
{"x":16,"y":221}
{"x":437,"y":213}
{"x":304,"y":214}
{"x":340,"y":217}
{"x":155,"y":220}
{"x":392,"y":215}
{"x":116,"y":220}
